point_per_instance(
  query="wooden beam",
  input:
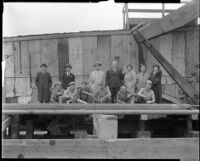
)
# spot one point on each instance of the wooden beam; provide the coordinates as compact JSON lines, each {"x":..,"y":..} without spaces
{"x":74,"y":107}
{"x":150,"y":10}
{"x":65,"y":35}
{"x":172,"y":21}
{"x":15,"y":127}
{"x":143,"y":148}
{"x":6,"y":121}
{"x":154,"y":148}
{"x":171,"y":99}
{"x":29,"y":129}
{"x":87,"y":112}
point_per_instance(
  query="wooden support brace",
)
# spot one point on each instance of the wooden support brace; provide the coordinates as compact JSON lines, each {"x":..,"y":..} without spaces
{"x":29,"y":129}
{"x":15,"y":127}
{"x":142,"y":133}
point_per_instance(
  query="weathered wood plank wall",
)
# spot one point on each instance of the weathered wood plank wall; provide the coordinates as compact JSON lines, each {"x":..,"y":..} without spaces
{"x":81,"y":52}
{"x":181,"y":49}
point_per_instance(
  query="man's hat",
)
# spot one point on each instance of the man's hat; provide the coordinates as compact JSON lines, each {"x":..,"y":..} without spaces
{"x":149,"y":81}
{"x":97,"y":63}
{"x":43,"y":65}
{"x":68,"y":66}
{"x":142,"y":65}
{"x":58,"y":83}
{"x":71,"y":83}
{"x":156,"y":65}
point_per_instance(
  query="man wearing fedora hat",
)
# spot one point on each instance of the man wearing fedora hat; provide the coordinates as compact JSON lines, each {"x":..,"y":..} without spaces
{"x":67,"y":77}
{"x":96,"y":77}
{"x":43,"y":82}
{"x":155,"y":77}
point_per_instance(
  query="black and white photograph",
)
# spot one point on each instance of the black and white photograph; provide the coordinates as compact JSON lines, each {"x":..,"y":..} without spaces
{"x":101,"y":80}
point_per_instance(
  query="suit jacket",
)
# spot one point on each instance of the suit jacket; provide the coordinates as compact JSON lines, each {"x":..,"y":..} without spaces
{"x":43,"y":83}
{"x":67,"y":79}
{"x":114,"y":79}
{"x":156,"y":87}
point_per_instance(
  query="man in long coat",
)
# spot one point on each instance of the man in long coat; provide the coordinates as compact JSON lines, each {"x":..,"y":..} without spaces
{"x":114,"y":80}
{"x":67,"y":77}
{"x":155,"y":77}
{"x":43,"y":82}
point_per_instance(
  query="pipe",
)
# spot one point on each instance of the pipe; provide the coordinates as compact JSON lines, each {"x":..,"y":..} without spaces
{"x":86,"y":112}
{"x":58,"y":106}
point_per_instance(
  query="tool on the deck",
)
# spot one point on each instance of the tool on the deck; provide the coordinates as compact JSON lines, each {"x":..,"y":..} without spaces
{"x":175,"y":75}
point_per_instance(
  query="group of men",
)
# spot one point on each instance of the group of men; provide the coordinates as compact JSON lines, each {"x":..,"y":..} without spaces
{"x":112,"y":86}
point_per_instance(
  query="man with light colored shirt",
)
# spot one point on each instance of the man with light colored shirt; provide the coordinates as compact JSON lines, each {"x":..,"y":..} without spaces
{"x":70,"y":94}
{"x":96,"y":77}
{"x":142,"y":77}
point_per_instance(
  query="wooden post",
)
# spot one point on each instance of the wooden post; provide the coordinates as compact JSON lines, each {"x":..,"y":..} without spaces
{"x":142,"y":133}
{"x":15,"y":127}
{"x":163,"y":10}
{"x":29,"y":129}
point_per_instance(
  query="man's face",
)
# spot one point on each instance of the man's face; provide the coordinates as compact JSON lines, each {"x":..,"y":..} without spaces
{"x":114,"y":64}
{"x":148,"y":86}
{"x":123,"y":88}
{"x":58,"y":87}
{"x":72,"y":86}
{"x":67,"y":69}
{"x":143,"y":68}
{"x":155,"y":69}
{"x":44,"y":68}
{"x":97,"y":67}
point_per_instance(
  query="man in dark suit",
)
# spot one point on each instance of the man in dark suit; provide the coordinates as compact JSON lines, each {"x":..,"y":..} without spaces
{"x":43,"y":82}
{"x":67,"y":77}
{"x":114,"y":80}
{"x":155,"y":77}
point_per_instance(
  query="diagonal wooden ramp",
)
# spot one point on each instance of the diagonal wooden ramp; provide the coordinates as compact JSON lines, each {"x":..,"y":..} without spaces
{"x":174,"y":20}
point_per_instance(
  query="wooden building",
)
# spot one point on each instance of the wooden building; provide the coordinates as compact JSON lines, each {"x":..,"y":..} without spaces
{"x":24,"y":54}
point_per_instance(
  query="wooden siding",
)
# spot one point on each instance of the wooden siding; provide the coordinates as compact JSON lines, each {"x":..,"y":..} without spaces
{"x":76,"y":58}
{"x":104,"y":51}
{"x":89,"y":54}
{"x":181,"y":49}
{"x":63,"y":55}
{"x":23,"y":58}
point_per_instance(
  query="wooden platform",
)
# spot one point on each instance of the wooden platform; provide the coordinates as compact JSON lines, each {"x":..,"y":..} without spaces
{"x":172,"y":109}
{"x":145,"y":148}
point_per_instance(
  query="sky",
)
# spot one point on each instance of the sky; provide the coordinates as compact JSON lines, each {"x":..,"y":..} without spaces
{"x":47,"y":18}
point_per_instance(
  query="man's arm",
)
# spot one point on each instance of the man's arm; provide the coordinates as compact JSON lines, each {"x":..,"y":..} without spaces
{"x":73,"y":77}
{"x":37,"y":80}
{"x":140,"y":93}
{"x":50,"y":81}
{"x":108,"y":94}
{"x":107,"y":78}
